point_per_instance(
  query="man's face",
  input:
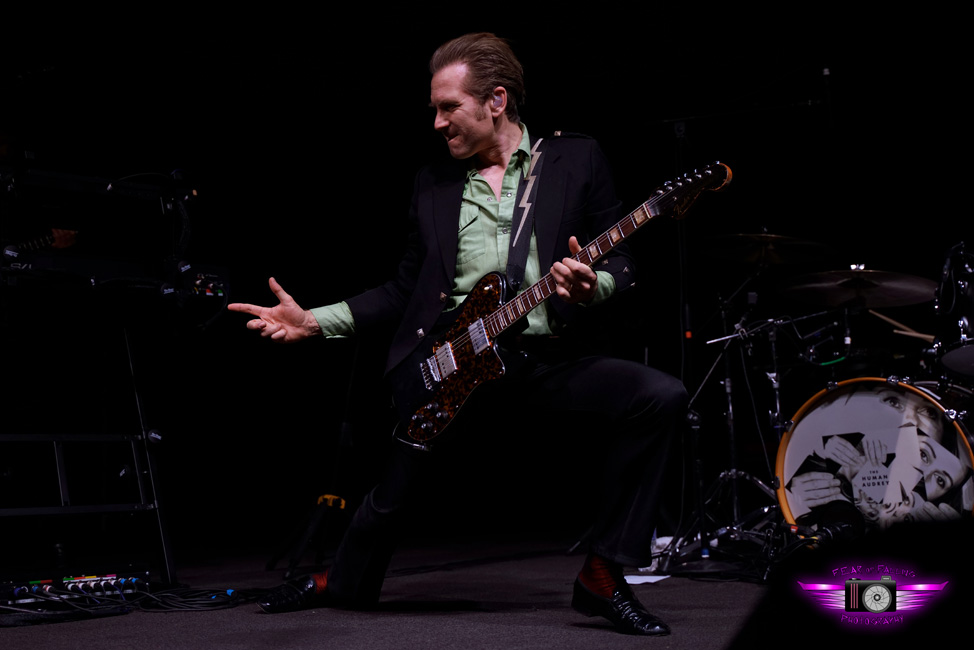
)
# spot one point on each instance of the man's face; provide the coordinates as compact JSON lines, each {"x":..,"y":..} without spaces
{"x":466,"y":123}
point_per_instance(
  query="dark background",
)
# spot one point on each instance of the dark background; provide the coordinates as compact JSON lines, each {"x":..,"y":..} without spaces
{"x":301,"y":138}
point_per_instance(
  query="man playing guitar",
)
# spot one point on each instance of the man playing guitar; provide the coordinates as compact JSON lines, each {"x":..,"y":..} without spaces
{"x":502,"y":205}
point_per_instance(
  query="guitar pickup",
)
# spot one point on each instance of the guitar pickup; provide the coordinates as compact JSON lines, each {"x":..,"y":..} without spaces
{"x":445,"y":362}
{"x":478,"y":336}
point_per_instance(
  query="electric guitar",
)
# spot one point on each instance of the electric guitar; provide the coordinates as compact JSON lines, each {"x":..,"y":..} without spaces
{"x":432,"y":384}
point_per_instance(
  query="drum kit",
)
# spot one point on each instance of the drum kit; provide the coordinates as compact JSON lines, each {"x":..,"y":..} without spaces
{"x":868,"y":450}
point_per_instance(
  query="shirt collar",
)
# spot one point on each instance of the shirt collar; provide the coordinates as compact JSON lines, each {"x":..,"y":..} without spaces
{"x":523,"y":151}
{"x":518,"y":158}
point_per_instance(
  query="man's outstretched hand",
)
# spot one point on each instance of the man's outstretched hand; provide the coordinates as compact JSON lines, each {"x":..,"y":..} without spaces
{"x":286,"y":322}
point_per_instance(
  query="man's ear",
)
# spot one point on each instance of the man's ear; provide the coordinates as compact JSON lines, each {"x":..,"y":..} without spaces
{"x":498,"y":103}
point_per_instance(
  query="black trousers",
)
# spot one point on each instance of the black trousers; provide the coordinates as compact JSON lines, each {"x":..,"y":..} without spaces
{"x":640,"y":410}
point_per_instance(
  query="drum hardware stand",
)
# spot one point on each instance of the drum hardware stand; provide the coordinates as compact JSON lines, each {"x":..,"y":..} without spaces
{"x":756,"y":527}
{"x":697,"y":538}
{"x":752,"y":527}
{"x":810,"y":350}
{"x":775,"y":417}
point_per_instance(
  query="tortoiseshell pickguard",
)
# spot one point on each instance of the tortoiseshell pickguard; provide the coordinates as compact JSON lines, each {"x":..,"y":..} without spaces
{"x":434,"y":408}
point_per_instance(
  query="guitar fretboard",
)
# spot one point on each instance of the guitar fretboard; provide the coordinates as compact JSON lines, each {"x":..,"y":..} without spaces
{"x":675,"y":195}
{"x":537,"y":293}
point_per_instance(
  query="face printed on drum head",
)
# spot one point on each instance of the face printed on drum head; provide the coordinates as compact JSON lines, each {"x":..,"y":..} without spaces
{"x":915,"y":411}
{"x":901,"y":512}
{"x":941,"y":469}
{"x":883,"y":514}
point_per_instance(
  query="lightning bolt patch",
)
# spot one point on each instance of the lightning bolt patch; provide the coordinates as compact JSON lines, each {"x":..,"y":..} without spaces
{"x":526,"y":198}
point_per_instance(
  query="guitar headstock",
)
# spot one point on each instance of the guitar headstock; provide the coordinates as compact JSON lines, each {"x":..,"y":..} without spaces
{"x":678,"y":195}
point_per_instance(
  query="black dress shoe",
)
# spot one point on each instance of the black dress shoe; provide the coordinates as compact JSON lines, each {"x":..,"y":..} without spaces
{"x":623,"y":610}
{"x":292,"y":596}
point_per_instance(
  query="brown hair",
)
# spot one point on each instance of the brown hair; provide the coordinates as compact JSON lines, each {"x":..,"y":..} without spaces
{"x":490,"y":63}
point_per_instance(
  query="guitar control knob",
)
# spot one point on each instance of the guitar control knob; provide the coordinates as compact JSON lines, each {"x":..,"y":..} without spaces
{"x":442,"y":415}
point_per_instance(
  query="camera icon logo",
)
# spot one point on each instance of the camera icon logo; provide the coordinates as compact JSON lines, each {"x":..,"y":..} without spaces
{"x":870,"y":595}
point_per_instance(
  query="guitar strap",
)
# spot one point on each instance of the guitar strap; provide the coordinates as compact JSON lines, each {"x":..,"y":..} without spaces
{"x":521,"y":228}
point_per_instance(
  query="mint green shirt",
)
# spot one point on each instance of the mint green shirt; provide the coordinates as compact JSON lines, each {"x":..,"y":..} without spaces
{"x":483,"y":242}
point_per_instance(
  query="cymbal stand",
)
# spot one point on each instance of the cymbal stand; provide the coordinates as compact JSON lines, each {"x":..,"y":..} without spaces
{"x":733,"y":474}
{"x":777,"y":423}
{"x":752,"y":527}
{"x":776,"y":417}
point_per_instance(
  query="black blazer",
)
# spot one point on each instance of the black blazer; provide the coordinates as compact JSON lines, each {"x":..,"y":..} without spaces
{"x":576,"y":196}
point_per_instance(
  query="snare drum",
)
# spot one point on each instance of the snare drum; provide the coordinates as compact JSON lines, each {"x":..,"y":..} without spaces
{"x":880,"y":449}
{"x":955,"y":307}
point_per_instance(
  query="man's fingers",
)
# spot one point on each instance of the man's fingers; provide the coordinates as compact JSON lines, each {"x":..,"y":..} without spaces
{"x":257,"y":310}
{"x":244,"y":308}
{"x":573,"y":245}
{"x":274,"y":331}
{"x":278,"y":290}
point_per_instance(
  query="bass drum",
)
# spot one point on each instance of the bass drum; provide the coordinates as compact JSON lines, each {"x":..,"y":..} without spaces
{"x":873,"y":452}
{"x":955,"y":308}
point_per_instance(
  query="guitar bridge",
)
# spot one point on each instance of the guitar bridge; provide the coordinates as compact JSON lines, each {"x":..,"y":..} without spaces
{"x":431,"y":375}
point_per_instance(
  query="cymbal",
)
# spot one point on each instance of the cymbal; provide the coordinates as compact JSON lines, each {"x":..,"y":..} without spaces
{"x":766,"y":249}
{"x":860,"y":288}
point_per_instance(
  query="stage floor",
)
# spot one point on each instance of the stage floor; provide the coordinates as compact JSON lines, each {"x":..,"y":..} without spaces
{"x":472,"y":593}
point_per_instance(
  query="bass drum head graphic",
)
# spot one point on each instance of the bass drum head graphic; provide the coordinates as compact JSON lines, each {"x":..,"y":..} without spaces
{"x":873,"y":453}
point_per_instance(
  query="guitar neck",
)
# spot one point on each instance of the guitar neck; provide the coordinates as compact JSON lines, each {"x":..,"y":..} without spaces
{"x":37,"y":243}
{"x":675,"y":196}
{"x":514,"y":310}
